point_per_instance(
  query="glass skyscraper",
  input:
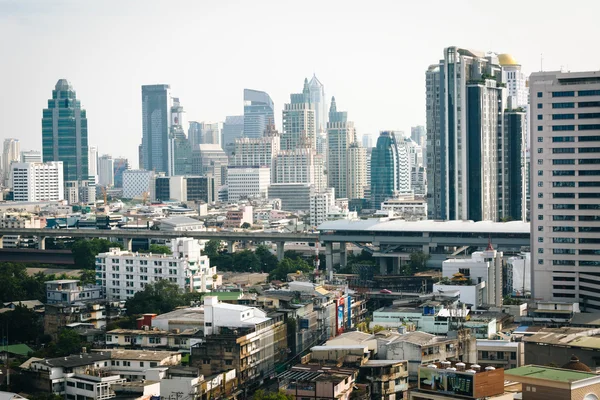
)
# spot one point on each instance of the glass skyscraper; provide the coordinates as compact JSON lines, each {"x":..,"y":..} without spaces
{"x":258,"y":113}
{"x":389,"y":169}
{"x":317,"y":98}
{"x":65,"y":134}
{"x":156,"y":124}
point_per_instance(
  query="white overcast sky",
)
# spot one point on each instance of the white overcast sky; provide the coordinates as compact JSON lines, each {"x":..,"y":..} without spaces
{"x":371,"y":55}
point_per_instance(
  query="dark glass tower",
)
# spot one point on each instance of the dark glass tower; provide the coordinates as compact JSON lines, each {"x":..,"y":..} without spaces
{"x":65,"y":134}
{"x":258,"y":113}
{"x":384,"y":167}
{"x":156,"y":125}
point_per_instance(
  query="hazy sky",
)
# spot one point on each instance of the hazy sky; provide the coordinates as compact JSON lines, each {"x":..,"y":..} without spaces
{"x":371,"y":55}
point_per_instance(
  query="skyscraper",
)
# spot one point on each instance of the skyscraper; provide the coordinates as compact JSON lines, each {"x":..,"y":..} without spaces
{"x":367,"y":141}
{"x":258,"y":112}
{"x":93,"y":163}
{"x":180,"y":158}
{"x":465,"y":105}
{"x":390,"y":171}
{"x":106,"y":171}
{"x":512,"y":175}
{"x":417,"y":133}
{"x":356,"y":171}
{"x":10,"y":154}
{"x":65,"y":138}
{"x":565,"y":187}
{"x":299,"y":121}
{"x":233,"y":128}
{"x":319,"y":102}
{"x":156,"y":125}
{"x":120,"y":166}
{"x":340,"y":135}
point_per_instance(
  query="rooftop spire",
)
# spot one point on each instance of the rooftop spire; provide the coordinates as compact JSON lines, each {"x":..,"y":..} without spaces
{"x":333,"y":106}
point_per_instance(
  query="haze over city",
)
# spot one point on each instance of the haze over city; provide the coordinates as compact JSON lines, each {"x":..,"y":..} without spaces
{"x":371,"y":56}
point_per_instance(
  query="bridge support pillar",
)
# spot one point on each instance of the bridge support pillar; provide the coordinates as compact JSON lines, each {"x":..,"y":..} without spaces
{"x":343,"y":255}
{"x":329,"y":259}
{"x":230,"y":247}
{"x":42,"y":242}
{"x":396,"y":265}
{"x":280,"y":250}
{"x":426,"y":249}
{"x":382,"y":266}
{"x":128,"y":244}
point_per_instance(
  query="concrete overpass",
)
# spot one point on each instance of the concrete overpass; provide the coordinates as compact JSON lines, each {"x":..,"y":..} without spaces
{"x":127,"y":235}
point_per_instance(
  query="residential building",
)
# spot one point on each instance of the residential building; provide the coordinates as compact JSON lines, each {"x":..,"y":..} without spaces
{"x":245,"y":183}
{"x":11,"y":152}
{"x":519,"y":274}
{"x":210,"y":159}
{"x":70,"y":291}
{"x":123,"y":273}
{"x":554,"y":346}
{"x":258,"y":113}
{"x":237,"y":218}
{"x":37,"y":181}
{"x":65,"y":138}
{"x":299,"y":121}
{"x":297,"y":166}
{"x":153,"y":339}
{"x":252,"y":152}
{"x":320,"y":204}
{"x":465,"y":104}
{"x":156,"y":126}
{"x":233,"y":128}
{"x":294,"y":197}
{"x":565,"y":226}
{"x":241,"y":338}
{"x":93,"y":162}
{"x":120,"y":166}
{"x":388,"y":378}
{"x":405,"y":206}
{"x":500,"y":353}
{"x":512,"y":180}
{"x":540,"y":382}
{"x":106,"y":171}
{"x":136,"y":182}
{"x":132,"y":364}
{"x":340,"y":135}
{"x":319,"y":102}
{"x":449,"y":380}
{"x":58,"y":316}
{"x":31,"y":156}
{"x":319,"y":384}
{"x":356,"y":171}
{"x":390,"y":168}
{"x":515,"y":79}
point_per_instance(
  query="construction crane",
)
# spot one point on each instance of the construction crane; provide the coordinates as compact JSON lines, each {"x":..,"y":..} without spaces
{"x":103,"y":188}
{"x":145,"y":197}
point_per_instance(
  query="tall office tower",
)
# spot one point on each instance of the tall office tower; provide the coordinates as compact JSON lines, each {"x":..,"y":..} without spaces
{"x":512,"y":169}
{"x":322,"y":145}
{"x":36,"y":181}
{"x":418,"y":134}
{"x":93,"y":163}
{"x":65,"y":138}
{"x":356,"y":171}
{"x":340,"y":135}
{"x":195,"y":134}
{"x":299,"y":121}
{"x":390,"y":170}
{"x":233,"y":128}
{"x":565,"y":186}
{"x":11,"y":153}
{"x":140,"y":157}
{"x":120,"y":166}
{"x":210,"y":159}
{"x":367,"y":141}
{"x":156,"y":124}
{"x":31,"y":156}
{"x":204,"y":133}
{"x":319,"y":102}
{"x":106,"y":171}
{"x":462,"y":132}
{"x":258,"y":113}
{"x":180,"y":158}
{"x":250,"y":152}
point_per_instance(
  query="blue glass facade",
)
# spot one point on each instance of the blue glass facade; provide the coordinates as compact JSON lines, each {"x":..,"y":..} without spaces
{"x":258,"y":113}
{"x":383,"y":169}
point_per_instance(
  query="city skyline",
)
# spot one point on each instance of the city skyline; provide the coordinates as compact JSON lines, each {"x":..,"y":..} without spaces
{"x":217,"y":91}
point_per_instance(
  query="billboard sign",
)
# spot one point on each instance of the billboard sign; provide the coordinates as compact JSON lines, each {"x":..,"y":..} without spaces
{"x":340,"y":316}
{"x":445,"y":381}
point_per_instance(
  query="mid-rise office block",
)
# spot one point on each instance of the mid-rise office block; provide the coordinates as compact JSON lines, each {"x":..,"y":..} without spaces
{"x":106,"y":170}
{"x":31,"y":156}
{"x":210,"y":159}
{"x":250,"y":152}
{"x":136,"y":182}
{"x":294,"y":196}
{"x":247,"y":182}
{"x":565,"y":183}
{"x":37,"y":181}
{"x":258,"y":113}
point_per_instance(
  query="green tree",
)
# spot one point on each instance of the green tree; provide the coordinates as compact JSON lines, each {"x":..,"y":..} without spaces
{"x":69,"y":342}
{"x":292,"y":254}
{"x":23,"y":325}
{"x":246,"y":225}
{"x":246,"y":261}
{"x":158,"y":249}
{"x":85,"y":251}
{"x":262,"y":395}
{"x":211,"y":248}
{"x":418,"y":261}
{"x":160,"y":297}
{"x":268,"y":261}
{"x":289,"y":266}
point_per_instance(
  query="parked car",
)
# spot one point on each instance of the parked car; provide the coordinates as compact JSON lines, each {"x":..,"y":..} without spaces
{"x":385,"y":291}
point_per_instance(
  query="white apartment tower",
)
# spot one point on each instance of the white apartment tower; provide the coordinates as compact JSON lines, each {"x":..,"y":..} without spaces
{"x":299,"y":121}
{"x":260,"y":151}
{"x":37,"y":181}
{"x":356,"y":171}
{"x":93,"y":163}
{"x":123,"y":273}
{"x":565,"y":187}
{"x":247,"y":182}
{"x":320,"y":204}
{"x":11,"y":153}
{"x":106,"y":170}
{"x":340,"y":135}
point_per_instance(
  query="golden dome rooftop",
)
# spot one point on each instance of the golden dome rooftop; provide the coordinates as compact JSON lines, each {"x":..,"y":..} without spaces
{"x":506,"y":60}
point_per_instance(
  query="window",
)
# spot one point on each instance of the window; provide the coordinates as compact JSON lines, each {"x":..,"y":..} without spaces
{"x":228,"y":362}
{"x":563,"y":128}
{"x":89,"y":388}
{"x":563,"y":218}
{"x":589,"y":104}
{"x":589,"y":195}
{"x":589,"y":263}
{"x":206,"y":361}
{"x":563,"y":116}
{"x":563,"y":251}
{"x":563,"y":229}
{"x":566,"y":161}
{"x":563,"y":173}
{"x":141,"y":363}
{"x":539,"y":105}
{"x":589,"y":184}
{"x":513,"y":355}
{"x":589,"y":138}
{"x":588,"y":115}
{"x":589,"y":229}
{"x":588,"y":127}
{"x":540,"y":139}
{"x":589,"y":149}
{"x":563,"y":105}
{"x":588,"y":93}
{"x":563,"y":195}
{"x":539,"y":94}
{"x":70,"y":384}
{"x":80,"y":385}
{"x":560,"y":139}
{"x":563,"y":240}
{"x":539,"y":117}
{"x":153,"y":365}
{"x":562,"y":150}
{"x":563,"y":262}
{"x":589,"y":206}
{"x":565,"y":93}
{"x":563,"y":184}
{"x":484,"y":355}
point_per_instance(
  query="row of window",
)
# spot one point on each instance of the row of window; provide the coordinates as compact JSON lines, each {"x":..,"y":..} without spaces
{"x":571,"y":93}
{"x":570,"y":161}
{"x":581,"y":104}
{"x":572,"y":206}
{"x":571,"y":263}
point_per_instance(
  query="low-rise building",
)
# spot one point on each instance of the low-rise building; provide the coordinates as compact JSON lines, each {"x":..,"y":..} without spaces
{"x":388,"y":378}
{"x":70,"y":291}
{"x":59,"y":315}
{"x":542,"y":383}
{"x":315,"y":382}
{"x":154,"y":339}
{"x":405,"y":206}
{"x":551,"y":313}
{"x":551,"y":346}
{"x":500,"y":353}
{"x":132,"y":364}
{"x":239,"y":217}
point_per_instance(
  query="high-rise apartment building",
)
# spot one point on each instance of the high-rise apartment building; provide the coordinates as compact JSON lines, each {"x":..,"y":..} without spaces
{"x":319,"y":102}
{"x":465,"y":105}
{"x":31,"y":156}
{"x":180,"y":156}
{"x":296,"y":166}
{"x":36,"y":181}
{"x":106,"y":170}
{"x":93,"y":163}
{"x":515,"y":79}
{"x":512,"y":171}
{"x":156,"y":126}
{"x":356,"y":171}
{"x":258,"y":113}
{"x":65,"y":138}
{"x":11,"y":153}
{"x":299,"y":121}
{"x":320,"y":204}
{"x":340,"y":135}
{"x":390,"y":168}
{"x":252,"y":152}
{"x":120,"y":166}
{"x":233,"y":128}
{"x":247,"y":182}
{"x":565,"y":187}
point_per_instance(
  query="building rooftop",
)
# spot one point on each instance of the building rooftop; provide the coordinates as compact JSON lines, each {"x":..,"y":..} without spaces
{"x":63,"y":281}
{"x":382,"y":363}
{"x":496,"y":343}
{"x":18,"y":349}
{"x":571,"y":337}
{"x":417,"y":338}
{"x":548,"y":373}
{"x":387,"y":225}
{"x":189,"y":314}
{"x":150,"y":355}
{"x":77,"y":360}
